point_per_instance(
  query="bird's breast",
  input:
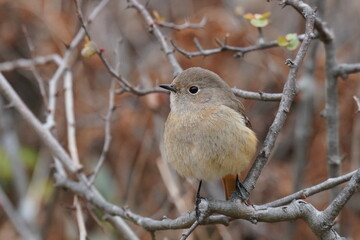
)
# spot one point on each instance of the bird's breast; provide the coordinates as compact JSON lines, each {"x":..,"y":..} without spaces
{"x":209,"y":143}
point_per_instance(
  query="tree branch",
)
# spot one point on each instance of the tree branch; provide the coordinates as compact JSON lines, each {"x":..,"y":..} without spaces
{"x":286,"y":100}
{"x":257,"y":95}
{"x":28,"y":63}
{"x":332,"y":115}
{"x":239,"y":51}
{"x":153,"y":28}
{"x":343,"y":70}
{"x":185,"y":25}
{"x":228,"y":211}
{"x":71,"y":136}
{"x":64,"y":62}
{"x":44,"y":134}
{"x":126,"y":85}
{"x":307,"y":192}
{"x":333,"y":210}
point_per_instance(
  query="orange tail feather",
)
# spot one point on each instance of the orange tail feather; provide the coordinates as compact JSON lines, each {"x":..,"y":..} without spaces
{"x":229,"y":182}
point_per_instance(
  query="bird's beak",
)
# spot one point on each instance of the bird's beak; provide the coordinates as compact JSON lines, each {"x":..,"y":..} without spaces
{"x":169,"y":87}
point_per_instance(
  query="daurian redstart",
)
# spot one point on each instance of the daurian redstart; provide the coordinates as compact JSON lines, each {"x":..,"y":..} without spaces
{"x":207,"y":134}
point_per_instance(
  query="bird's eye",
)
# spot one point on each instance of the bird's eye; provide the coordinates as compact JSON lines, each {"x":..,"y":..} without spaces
{"x":193,"y":89}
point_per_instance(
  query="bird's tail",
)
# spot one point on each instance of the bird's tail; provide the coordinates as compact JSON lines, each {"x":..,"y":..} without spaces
{"x":229,"y":182}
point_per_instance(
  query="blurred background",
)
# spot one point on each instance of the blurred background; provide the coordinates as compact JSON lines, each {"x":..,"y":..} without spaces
{"x":134,"y":174}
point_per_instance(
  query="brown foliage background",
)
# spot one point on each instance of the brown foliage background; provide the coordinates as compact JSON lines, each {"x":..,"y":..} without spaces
{"x":131,"y":175}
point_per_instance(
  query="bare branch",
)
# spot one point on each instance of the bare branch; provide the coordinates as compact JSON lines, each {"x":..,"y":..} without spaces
{"x":186,"y":234}
{"x":126,"y":85}
{"x":63,"y":65}
{"x":228,"y":211}
{"x":111,"y":108}
{"x":332,"y":115}
{"x":71,"y":135}
{"x":44,"y":134}
{"x":90,"y":194}
{"x":333,"y":210}
{"x":70,"y":116}
{"x":153,"y":28}
{"x":27,"y":63}
{"x":257,"y":95}
{"x":239,"y":51}
{"x":298,"y":209}
{"x":35,"y":72}
{"x":50,"y":119}
{"x":307,"y":192}
{"x":185,"y":25}
{"x":343,"y":70}
{"x":285,"y":103}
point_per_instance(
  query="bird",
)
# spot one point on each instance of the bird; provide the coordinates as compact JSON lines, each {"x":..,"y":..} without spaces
{"x":207,"y":135}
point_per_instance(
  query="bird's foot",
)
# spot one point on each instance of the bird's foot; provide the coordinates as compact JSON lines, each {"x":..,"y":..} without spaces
{"x":197,"y":208}
{"x":241,"y":192}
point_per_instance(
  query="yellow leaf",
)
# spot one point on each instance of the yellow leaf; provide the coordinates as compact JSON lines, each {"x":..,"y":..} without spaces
{"x":249,"y":16}
{"x":282,"y":41}
{"x":259,"y":22}
{"x":265,"y":15}
{"x":257,"y":19}
{"x":89,"y":48}
{"x":157,"y":17}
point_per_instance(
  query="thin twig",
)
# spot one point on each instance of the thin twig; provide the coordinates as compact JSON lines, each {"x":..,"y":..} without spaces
{"x":71,"y":136}
{"x":186,"y":234}
{"x":70,"y":116}
{"x":239,"y":51}
{"x":50,"y":119}
{"x":185,"y":25}
{"x":126,"y":85}
{"x":261,"y":35}
{"x":35,"y":72}
{"x":310,"y":191}
{"x":27,"y":63}
{"x":111,"y":108}
{"x":53,"y":82}
{"x":261,"y":96}
{"x":153,"y":28}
